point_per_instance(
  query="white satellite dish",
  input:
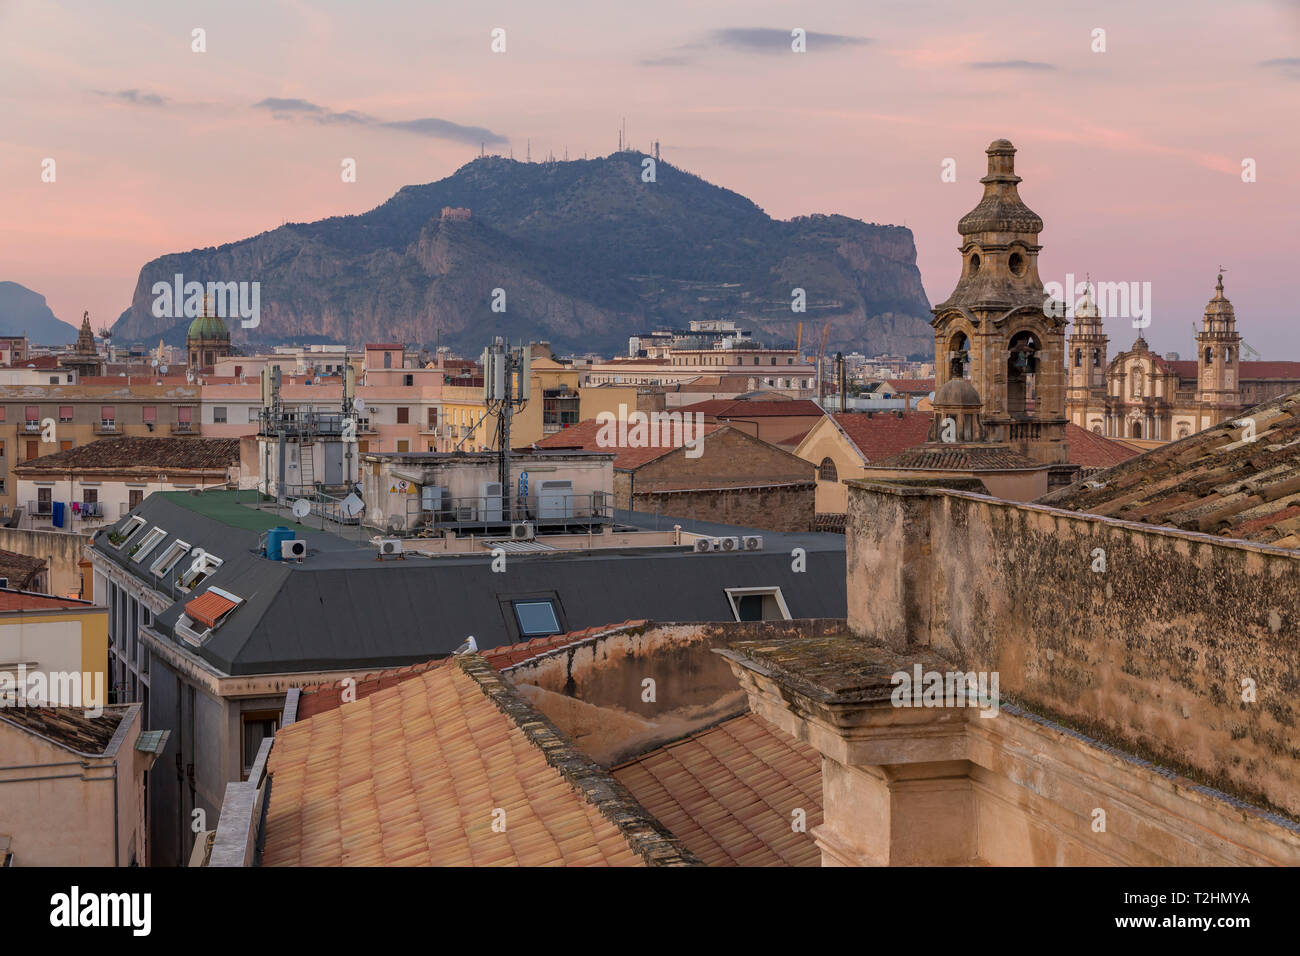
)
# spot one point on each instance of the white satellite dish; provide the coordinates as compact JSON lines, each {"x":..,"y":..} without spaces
{"x":162,"y":369}
{"x":360,"y":406}
{"x":352,"y":506}
{"x":301,"y":508}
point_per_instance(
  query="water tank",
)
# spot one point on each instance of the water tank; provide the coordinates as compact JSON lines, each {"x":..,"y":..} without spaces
{"x":273,"y":538}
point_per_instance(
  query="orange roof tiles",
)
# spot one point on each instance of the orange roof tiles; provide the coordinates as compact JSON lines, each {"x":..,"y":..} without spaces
{"x":209,"y":608}
{"x":881,"y":434}
{"x":508,"y":655}
{"x":730,"y":793}
{"x":1094,"y":451}
{"x":584,"y":436}
{"x":418,"y":774}
{"x":26,"y":601}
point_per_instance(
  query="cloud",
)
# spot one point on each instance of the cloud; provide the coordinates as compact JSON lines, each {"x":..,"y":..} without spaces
{"x":772,"y":40}
{"x":1009,"y":65}
{"x":277,"y":105}
{"x":133,"y":97}
{"x":1289,"y":65}
{"x":289,"y":108}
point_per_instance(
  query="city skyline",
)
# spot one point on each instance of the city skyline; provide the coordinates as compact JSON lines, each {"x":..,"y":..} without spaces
{"x":1132,"y":156}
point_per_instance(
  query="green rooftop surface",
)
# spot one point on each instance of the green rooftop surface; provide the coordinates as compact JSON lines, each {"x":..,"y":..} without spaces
{"x":231,"y":508}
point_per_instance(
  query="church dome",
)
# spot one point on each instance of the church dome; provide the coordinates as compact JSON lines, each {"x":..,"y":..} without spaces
{"x":208,"y":327}
{"x":1001,"y":209}
{"x":1219,"y":307}
{"x":956,"y":393}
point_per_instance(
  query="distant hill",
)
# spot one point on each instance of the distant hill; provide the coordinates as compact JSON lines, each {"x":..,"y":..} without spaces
{"x":24,"y":312}
{"x":587,"y":254}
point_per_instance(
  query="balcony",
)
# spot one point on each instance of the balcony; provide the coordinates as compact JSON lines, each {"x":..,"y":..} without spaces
{"x":107,"y":426}
{"x":183,"y":428}
{"x":31,"y":428}
{"x":40,"y":509}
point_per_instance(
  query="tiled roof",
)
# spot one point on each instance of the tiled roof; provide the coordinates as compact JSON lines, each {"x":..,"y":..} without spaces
{"x":947,"y":456}
{"x":68,"y":726}
{"x":508,"y":655}
{"x":39,"y":361}
{"x":1094,"y":451}
{"x":1257,"y":370}
{"x":1212,"y":481}
{"x":881,"y":434}
{"x":448,"y":768}
{"x":731,"y":793}
{"x":15,"y":600}
{"x":583,"y":436}
{"x":318,"y":698}
{"x":913,"y":386}
{"x":754,"y":408}
{"x":793,"y":441}
{"x":19,"y":568}
{"x":212,"y":454}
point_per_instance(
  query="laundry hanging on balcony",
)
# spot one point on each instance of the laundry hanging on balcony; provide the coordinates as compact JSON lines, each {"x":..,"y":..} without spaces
{"x":56,"y":514}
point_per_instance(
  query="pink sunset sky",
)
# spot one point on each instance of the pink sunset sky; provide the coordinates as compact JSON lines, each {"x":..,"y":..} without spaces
{"x":1133,"y":157}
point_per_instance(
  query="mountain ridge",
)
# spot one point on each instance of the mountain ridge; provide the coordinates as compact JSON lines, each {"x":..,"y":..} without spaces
{"x":586,"y":253}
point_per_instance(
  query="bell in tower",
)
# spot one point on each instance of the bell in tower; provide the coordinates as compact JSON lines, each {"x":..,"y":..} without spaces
{"x":997,"y":315}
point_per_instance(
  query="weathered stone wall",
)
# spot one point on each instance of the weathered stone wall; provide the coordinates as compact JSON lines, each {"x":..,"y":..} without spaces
{"x":61,"y":550}
{"x":781,"y":508}
{"x":1149,"y":654}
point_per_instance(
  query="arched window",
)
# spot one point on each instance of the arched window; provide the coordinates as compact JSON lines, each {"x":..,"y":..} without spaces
{"x":1209,"y":355}
{"x":958,"y":356}
{"x":1096,"y":429}
{"x":1136,"y":430}
{"x":826,"y":471}
{"x":1022,"y":366}
{"x":1183,"y":431}
{"x":1096,"y":358}
{"x":1227,"y":356}
{"x":1078,"y":358}
{"x":388,"y":360}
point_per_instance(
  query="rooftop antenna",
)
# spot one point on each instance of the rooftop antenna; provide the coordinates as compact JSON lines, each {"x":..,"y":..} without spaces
{"x":480,"y":149}
{"x":528,"y":156}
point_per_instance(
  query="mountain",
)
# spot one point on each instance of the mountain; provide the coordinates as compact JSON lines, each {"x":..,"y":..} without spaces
{"x":586,"y":252}
{"x":24,"y":312}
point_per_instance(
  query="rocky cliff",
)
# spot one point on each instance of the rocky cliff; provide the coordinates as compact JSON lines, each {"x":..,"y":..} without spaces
{"x":586,"y":254}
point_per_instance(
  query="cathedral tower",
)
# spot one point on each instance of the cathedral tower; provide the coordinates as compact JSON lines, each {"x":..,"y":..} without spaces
{"x":1087,"y":359}
{"x":994,"y":329}
{"x":1218,"y":357}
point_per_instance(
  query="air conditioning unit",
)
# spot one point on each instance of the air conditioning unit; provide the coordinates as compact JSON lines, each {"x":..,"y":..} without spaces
{"x":489,"y":500}
{"x":728,"y":544}
{"x":389,"y":547}
{"x":753,"y":542}
{"x":295,"y":549}
{"x":523,"y":531}
{"x":463,"y":514}
{"x":706,"y":544}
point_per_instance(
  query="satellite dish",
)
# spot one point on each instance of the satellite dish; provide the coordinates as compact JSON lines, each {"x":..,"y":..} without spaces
{"x":360,"y":406}
{"x":301,"y":508}
{"x":352,"y":506}
{"x":162,"y":369}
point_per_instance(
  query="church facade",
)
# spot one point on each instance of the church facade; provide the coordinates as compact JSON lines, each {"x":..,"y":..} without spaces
{"x":1143,"y":396}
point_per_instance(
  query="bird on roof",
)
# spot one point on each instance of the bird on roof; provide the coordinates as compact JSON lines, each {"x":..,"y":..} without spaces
{"x":469,"y":647}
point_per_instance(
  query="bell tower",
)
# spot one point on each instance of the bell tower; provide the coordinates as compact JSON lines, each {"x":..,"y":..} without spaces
{"x":1086,"y":358}
{"x":995,"y":329}
{"x":1218,"y":358}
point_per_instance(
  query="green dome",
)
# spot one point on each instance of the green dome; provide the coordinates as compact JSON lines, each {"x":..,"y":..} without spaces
{"x":208,"y":327}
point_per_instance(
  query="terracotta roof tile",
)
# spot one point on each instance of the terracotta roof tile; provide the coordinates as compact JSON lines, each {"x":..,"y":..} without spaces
{"x":1095,"y":451}
{"x":508,"y":655}
{"x":584,"y":436}
{"x":14,"y":600}
{"x":881,"y":434}
{"x":417,"y":774}
{"x":215,"y":454}
{"x":730,"y":793}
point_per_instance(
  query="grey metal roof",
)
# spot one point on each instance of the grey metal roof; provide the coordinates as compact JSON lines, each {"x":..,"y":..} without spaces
{"x":341,"y":608}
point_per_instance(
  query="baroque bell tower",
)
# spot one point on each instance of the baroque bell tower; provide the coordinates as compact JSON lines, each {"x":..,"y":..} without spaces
{"x":995,"y":329}
{"x":1218,"y":356}
{"x":1086,"y":358}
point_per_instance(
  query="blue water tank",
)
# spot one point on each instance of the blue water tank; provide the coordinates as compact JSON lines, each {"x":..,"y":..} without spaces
{"x":273,"y":539}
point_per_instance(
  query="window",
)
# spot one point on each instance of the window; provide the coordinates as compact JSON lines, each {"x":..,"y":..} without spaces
{"x":133,"y":498}
{"x":254,"y":415}
{"x":4,"y":413}
{"x":43,"y":499}
{"x":64,"y":445}
{"x":1078,"y":358}
{"x":203,"y":565}
{"x":2,"y":449}
{"x":140,"y":550}
{"x":403,"y":444}
{"x":433,"y":418}
{"x":255,"y":727}
{"x":90,"y":496}
{"x":827,"y":471}
{"x":388,"y":360}
{"x":185,"y":414}
{"x":149,"y":414}
{"x":107,"y":415}
{"x":33,"y":414}
{"x":758,"y":604}
{"x":167,"y":560}
{"x":408,"y":379}
{"x":218,"y":415}
{"x":127,"y":533}
{"x":536,"y":618}
{"x":65,"y":413}
{"x":33,"y":450}
{"x":403,"y":415}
